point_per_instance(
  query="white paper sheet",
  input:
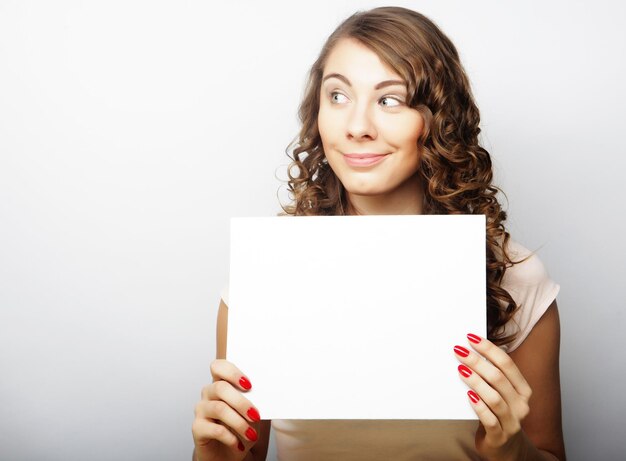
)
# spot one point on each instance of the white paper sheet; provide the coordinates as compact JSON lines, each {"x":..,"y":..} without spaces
{"x":356,"y":317}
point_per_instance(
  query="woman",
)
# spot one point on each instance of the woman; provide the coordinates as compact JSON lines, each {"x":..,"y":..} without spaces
{"x":390,"y":127}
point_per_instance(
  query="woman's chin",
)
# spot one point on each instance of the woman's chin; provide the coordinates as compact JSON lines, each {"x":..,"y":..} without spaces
{"x":368,"y":190}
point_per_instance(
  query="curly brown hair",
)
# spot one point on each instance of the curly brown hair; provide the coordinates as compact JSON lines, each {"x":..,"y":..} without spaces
{"x":456,"y":171}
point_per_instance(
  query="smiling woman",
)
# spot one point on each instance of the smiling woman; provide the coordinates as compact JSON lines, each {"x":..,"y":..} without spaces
{"x":369,"y":133}
{"x":389,"y":126}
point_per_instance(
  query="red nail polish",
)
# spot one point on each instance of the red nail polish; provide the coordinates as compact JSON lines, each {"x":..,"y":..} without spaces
{"x":473,"y":338}
{"x":245,"y":383}
{"x":240,"y":446}
{"x":251,"y":434}
{"x":473,"y":396}
{"x":459,"y":350}
{"x":254,"y":414}
{"x":465,"y":371}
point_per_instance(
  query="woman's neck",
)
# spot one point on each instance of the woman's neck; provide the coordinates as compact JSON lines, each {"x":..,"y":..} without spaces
{"x":405,"y":199}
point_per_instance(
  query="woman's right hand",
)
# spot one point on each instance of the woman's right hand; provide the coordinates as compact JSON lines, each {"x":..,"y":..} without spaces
{"x":226,"y":424}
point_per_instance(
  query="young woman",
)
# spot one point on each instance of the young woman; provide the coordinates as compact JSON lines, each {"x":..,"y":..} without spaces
{"x":390,"y":127}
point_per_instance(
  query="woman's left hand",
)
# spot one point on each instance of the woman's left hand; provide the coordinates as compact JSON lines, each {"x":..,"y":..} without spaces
{"x":499,"y":395}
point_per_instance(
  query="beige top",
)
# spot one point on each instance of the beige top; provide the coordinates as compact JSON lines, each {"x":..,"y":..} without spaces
{"x":401,"y":440}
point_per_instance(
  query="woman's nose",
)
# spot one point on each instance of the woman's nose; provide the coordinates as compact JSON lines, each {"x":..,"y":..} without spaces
{"x":360,"y":123}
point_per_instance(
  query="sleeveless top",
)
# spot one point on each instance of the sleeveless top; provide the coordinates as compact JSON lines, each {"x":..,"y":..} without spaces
{"x":402,"y":440}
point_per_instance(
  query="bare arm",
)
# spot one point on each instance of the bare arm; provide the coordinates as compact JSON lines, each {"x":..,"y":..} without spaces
{"x":543,"y":425}
{"x":259,"y":451}
{"x":225,"y":419}
{"x":516,"y":396}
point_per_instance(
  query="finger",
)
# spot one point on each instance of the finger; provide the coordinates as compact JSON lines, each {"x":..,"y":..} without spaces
{"x":204,"y":431}
{"x":222,"y":390}
{"x":223,"y":369}
{"x":490,"y":373}
{"x":502,"y":361}
{"x":219,"y":412}
{"x":489,"y":421}
{"x":488,"y":394}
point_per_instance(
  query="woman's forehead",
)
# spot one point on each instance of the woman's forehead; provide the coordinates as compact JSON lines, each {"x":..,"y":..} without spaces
{"x":358,"y":64}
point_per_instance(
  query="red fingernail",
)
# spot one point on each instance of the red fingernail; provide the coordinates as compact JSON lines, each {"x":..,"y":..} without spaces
{"x":473,"y":396}
{"x":245,"y":383}
{"x":473,"y":338}
{"x":465,"y":371}
{"x":461,"y":351}
{"x":254,"y":414}
{"x":251,"y":434}
{"x":240,"y":446}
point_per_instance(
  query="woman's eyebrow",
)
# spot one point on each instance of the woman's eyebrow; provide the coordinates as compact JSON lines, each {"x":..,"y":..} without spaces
{"x":377,"y":87}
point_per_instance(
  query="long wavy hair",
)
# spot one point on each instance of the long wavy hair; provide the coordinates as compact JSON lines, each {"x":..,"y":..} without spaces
{"x":455,"y":170}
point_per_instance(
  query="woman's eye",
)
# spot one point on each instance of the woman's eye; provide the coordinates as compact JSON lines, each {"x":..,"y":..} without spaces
{"x":333,"y":94}
{"x":395,"y":103}
{"x":388,"y":98}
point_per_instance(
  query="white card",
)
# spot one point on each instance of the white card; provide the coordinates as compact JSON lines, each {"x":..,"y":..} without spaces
{"x":356,"y":317}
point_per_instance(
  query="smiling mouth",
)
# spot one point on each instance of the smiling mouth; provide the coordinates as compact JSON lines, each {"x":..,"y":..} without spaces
{"x":363,"y":159}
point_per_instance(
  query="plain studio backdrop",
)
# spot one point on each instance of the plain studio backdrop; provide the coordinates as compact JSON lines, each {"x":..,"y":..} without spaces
{"x":131,"y":131}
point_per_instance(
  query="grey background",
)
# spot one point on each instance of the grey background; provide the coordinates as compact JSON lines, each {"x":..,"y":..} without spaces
{"x":131,"y":131}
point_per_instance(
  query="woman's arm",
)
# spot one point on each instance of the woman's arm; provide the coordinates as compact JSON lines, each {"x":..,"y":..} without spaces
{"x":259,"y":451}
{"x":543,"y":426}
{"x":517,"y":396}
{"x":222,"y":406}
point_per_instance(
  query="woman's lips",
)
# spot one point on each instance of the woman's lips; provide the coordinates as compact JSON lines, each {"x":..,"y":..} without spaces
{"x":363,"y":159}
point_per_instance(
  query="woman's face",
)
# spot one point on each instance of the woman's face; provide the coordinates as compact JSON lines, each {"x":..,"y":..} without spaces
{"x":361,"y":112}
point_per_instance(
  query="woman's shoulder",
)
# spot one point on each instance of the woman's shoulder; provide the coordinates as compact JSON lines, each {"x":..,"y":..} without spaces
{"x":528,"y":268}
{"x":224,"y":294}
{"x":224,"y":290}
{"x":531,"y":287}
